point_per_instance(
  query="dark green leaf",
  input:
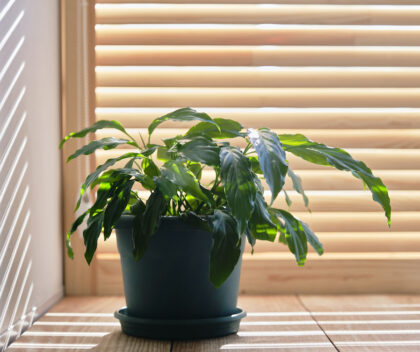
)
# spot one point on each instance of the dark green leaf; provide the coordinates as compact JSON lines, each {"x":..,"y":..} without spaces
{"x":105,"y":191}
{"x":199,"y":222}
{"x":238,"y":183}
{"x":228,"y":129}
{"x":151,"y":148}
{"x":91,"y":234}
{"x":297,"y":185}
{"x":312,"y":239}
{"x":99,"y":170}
{"x":202,"y":150}
{"x":116,"y":206}
{"x":295,"y":235}
{"x":96,"y":126}
{"x":149,"y":167}
{"x":255,"y":165}
{"x":74,"y":227}
{"x":184,"y":114}
{"x":323,"y":155}
{"x":260,"y":224}
{"x":137,"y":208}
{"x":105,"y":143}
{"x":167,"y":188}
{"x":146,"y":222}
{"x":145,"y":180}
{"x":196,"y":169}
{"x":271,"y":156}
{"x":251,"y":239}
{"x":177,"y":173}
{"x":226,"y":248}
{"x":288,"y":200}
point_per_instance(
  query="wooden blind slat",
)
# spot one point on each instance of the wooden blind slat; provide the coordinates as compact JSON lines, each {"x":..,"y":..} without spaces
{"x":257,"y":97}
{"x":270,"y":34}
{"x":187,"y":76}
{"x":339,"y":2}
{"x":247,"y":55}
{"x":257,"y":13}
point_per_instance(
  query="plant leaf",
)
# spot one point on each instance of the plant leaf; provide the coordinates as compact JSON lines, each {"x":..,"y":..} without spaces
{"x":251,"y":239}
{"x":92,"y":233}
{"x":297,"y":185}
{"x":260,"y":225}
{"x":312,"y":239}
{"x":226,"y":247}
{"x":199,"y":222}
{"x":99,"y":170}
{"x":177,"y":173}
{"x":202,"y":150}
{"x":73,"y":228}
{"x":196,"y":169}
{"x":238,"y":182}
{"x":145,"y":180}
{"x":149,"y":167}
{"x":105,"y":143}
{"x":139,"y":207}
{"x":184,"y":114}
{"x":321,"y":154}
{"x":116,"y":206}
{"x":167,"y":188}
{"x":271,"y":156}
{"x":96,"y":126}
{"x":295,"y":233}
{"x":146,"y":222}
{"x":228,"y":129}
{"x":104,"y":191}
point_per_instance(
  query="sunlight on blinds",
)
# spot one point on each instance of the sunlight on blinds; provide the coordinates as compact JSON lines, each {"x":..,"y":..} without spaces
{"x":342,"y":72}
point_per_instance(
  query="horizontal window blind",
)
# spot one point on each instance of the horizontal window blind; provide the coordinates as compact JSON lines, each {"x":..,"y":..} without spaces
{"x":345,"y":73}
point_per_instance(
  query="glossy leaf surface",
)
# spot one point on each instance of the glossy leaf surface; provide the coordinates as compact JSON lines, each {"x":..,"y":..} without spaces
{"x":271,"y":157}
{"x":238,"y":184}
{"x":226,"y":248}
{"x":318,"y":153}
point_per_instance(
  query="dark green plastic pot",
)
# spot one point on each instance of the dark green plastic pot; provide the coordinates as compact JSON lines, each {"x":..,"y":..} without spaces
{"x":168,"y":291}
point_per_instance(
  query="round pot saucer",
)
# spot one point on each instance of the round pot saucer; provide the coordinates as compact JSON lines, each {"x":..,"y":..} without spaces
{"x":179,"y":329}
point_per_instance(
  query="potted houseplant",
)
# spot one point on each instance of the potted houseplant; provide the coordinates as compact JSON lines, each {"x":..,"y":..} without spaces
{"x":181,"y":248}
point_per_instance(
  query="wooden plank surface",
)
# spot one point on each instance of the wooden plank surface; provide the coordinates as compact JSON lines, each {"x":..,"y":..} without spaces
{"x":257,"y":333}
{"x":389,"y":323}
{"x":368,"y":323}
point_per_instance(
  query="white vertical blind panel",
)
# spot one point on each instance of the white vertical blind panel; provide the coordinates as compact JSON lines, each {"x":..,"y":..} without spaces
{"x":342,"y":72}
{"x":15,"y":239}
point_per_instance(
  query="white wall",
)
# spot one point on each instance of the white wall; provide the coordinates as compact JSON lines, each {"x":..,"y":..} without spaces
{"x":43,"y":104}
{"x":31,"y":263}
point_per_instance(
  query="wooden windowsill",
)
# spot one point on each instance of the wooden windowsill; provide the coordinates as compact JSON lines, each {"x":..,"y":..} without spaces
{"x":276,"y":323}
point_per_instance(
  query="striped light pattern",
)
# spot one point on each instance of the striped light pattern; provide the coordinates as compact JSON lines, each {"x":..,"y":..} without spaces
{"x":16,"y":285}
{"x":343,"y":72}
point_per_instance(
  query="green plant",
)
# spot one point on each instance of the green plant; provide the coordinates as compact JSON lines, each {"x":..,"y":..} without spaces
{"x":231,"y":205}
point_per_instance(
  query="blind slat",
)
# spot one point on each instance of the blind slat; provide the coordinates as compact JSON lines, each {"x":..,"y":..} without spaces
{"x":187,"y":76}
{"x":340,"y":2}
{"x":243,"y":55}
{"x":257,"y":97}
{"x":270,"y":34}
{"x":255,"y":13}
